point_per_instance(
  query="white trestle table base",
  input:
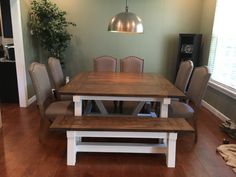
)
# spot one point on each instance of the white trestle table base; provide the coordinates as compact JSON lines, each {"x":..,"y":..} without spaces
{"x":78,"y":103}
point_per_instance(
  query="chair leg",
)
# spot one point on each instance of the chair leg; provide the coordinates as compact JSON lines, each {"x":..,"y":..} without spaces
{"x":195,"y":136}
{"x":155,"y":106}
{"x":121,"y":106}
{"x":115,"y":106}
{"x":144,"y":108}
{"x":195,"y":130}
{"x":93,"y":106}
{"x":148,"y":107}
{"x":43,"y":129}
{"x":87,"y":106}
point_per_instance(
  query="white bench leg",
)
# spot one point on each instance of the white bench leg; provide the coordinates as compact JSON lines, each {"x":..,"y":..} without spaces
{"x":171,"y":151}
{"x":71,"y":147}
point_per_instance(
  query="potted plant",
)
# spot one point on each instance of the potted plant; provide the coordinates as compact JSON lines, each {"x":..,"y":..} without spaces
{"x":49,"y":25}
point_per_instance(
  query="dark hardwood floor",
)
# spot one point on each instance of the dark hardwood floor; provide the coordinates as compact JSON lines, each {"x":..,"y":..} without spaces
{"x":22,"y":155}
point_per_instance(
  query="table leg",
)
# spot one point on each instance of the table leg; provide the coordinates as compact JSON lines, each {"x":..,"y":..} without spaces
{"x":78,"y":105}
{"x":171,"y":151}
{"x":71,"y":147}
{"x":164,"y":107}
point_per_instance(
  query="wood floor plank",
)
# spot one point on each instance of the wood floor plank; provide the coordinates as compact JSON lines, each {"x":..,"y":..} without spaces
{"x":22,"y":155}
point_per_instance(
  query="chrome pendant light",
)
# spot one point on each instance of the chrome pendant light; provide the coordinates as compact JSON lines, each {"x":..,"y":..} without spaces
{"x":126,"y":22}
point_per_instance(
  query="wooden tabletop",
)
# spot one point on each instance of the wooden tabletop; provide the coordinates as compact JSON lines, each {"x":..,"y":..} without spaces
{"x":121,"y":84}
{"x":111,"y":123}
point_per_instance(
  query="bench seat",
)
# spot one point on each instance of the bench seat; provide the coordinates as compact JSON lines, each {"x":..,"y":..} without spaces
{"x":121,"y":127}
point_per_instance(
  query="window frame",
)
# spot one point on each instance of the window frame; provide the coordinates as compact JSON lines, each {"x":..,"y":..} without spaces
{"x":229,"y":91}
{"x":217,"y":85}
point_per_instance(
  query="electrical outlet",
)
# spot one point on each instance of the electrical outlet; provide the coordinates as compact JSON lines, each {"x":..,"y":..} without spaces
{"x":67,"y":79}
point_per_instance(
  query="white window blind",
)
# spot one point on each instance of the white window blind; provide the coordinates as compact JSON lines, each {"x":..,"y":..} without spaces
{"x":222,"y":56}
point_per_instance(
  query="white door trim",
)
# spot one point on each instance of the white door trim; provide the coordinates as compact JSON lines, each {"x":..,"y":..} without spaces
{"x":19,"y":52}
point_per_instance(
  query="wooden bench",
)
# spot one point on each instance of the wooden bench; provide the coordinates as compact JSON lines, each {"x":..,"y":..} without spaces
{"x":121,"y":127}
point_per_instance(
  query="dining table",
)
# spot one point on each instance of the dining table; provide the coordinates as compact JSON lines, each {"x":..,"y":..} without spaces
{"x":121,"y":86}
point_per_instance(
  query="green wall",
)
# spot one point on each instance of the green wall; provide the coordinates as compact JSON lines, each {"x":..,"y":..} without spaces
{"x":30,"y":46}
{"x":163,"y":21}
{"x":223,"y":103}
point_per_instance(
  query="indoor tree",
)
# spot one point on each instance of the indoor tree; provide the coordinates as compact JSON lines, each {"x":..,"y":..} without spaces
{"x":49,"y":25}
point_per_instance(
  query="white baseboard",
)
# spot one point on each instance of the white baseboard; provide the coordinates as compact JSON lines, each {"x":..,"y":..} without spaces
{"x":216,"y":112}
{"x":31,"y":100}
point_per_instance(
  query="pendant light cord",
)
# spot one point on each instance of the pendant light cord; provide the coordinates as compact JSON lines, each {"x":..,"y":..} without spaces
{"x":126,"y":7}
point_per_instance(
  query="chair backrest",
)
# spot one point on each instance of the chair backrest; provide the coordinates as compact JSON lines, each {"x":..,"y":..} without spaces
{"x":198,"y":84}
{"x":56,"y":72}
{"x":183,"y":75}
{"x":41,"y":84}
{"x":105,"y":64}
{"x":131,"y":64}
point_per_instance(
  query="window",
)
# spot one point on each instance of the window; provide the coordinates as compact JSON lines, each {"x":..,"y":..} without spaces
{"x":222,"y":58}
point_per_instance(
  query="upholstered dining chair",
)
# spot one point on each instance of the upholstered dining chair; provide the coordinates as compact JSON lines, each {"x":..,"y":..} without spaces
{"x":48,"y":107}
{"x":105,"y":64}
{"x":57,"y":77}
{"x":182,"y":78}
{"x":130,"y":64}
{"x":195,"y":93}
{"x":183,"y":75}
{"x":56,"y":72}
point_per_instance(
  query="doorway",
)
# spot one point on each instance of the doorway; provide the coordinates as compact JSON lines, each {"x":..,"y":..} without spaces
{"x":17,"y":40}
